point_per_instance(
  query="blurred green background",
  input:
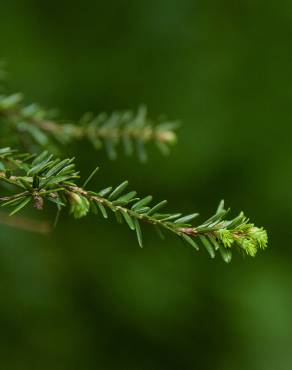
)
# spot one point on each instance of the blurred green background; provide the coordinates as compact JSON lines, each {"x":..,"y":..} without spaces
{"x":86,"y":297}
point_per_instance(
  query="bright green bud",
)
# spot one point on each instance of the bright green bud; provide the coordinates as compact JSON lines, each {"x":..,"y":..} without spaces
{"x":79,"y":205}
{"x":260,"y":236}
{"x":226,"y":237}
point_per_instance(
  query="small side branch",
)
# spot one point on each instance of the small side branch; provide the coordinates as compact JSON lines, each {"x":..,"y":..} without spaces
{"x":26,"y":224}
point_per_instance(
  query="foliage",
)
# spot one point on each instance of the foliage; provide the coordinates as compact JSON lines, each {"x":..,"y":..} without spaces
{"x":36,"y":127}
{"x":38,"y":179}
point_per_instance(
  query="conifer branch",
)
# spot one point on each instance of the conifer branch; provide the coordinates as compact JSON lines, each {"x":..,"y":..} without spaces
{"x":34,"y":125}
{"x":41,"y":179}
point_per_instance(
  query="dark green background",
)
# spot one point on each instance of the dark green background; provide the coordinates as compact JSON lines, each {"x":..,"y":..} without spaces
{"x":87,"y":297}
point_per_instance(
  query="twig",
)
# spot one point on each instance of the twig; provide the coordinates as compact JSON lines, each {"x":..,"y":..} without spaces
{"x":40,"y":227}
